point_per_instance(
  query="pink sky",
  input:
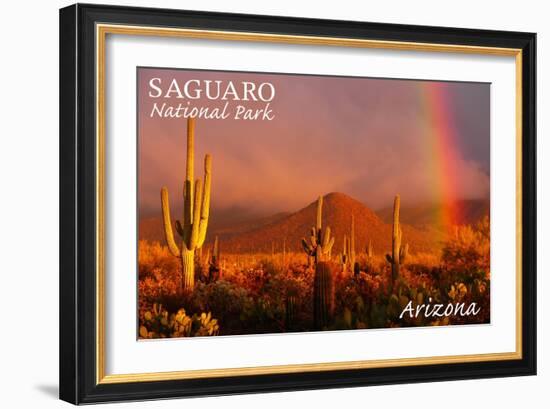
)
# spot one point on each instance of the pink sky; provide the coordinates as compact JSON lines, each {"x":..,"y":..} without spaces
{"x":363,"y":137}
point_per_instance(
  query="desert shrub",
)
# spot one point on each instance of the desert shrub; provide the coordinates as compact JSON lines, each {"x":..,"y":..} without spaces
{"x":269,"y":284}
{"x":417,"y":276}
{"x":422,"y":263}
{"x":355,"y":297}
{"x":156,"y":260}
{"x":253,"y":279}
{"x":371,"y":265}
{"x":428,"y":260}
{"x":226,"y":301}
{"x":157,"y":322}
{"x":467,"y":252}
{"x":253,"y":293}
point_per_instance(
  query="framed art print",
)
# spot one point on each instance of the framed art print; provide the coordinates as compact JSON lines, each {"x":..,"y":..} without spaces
{"x":256,"y":203}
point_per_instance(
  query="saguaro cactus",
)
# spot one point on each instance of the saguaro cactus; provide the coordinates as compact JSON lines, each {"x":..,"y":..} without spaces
{"x":344,"y":258}
{"x":214,"y":270}
{"x":323,"y":295}
{"x":290,"y":309}
{"x":370,"y":250}
{"x":351,"y":251}
{"x":348,"y":254}
{"x":216,"y":252}
{"x":196,"y":208}
{"x":404,"y":253}
{"x":320,"y":245}
{"x":399,"y":254}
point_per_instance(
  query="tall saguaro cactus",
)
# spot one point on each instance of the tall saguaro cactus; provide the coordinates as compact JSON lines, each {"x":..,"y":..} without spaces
{"x":399,"y":253}
{"x":319,"y":245}
{"x":196,"y":209}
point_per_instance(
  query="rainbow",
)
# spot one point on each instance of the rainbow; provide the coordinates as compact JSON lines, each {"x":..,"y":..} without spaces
{"x":442,"y":153}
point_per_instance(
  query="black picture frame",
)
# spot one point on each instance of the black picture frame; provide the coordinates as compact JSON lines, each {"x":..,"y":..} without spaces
{"x":78,"y":258}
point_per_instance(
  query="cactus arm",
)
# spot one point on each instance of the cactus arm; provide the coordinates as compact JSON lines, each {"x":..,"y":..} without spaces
{"x":330,"y":244}
{"x":184,"y":214}
{"x":188,"y":191}
{"x":187,"y":210}
{"x":326,"y":238}
{"x":194,"y":239}
{"x":396,"y":207}
{"x":370,"y":251}
{"x":404,"y":253}
{"x":307,"y":248}
{"x":397,"y":247}
{"x":319,"y":221}
{"x":168,"y":233}
{"x":320,"y":245}
{"x":313,"y":240}
{"x":345,"y":245}
{"x":205,"y":207}
{"x":216,"y":249}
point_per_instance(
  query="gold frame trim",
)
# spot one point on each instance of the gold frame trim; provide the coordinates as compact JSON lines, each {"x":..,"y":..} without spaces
{"x":101,"y":33}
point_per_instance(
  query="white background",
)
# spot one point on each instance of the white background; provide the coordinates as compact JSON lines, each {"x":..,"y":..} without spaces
{"x":29,"y":206}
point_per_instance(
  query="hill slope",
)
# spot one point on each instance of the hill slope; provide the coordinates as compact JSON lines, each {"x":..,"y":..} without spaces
{"x":426,"y":215}
{"x":258,"y":235}
{"x":150,"y":228}
{"x":337,"y":211}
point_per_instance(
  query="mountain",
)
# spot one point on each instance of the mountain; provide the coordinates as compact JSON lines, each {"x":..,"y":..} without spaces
{"x":426,"y":216}
{"x":258,"y":235}
{"x":225,"y":225}
{"x":337,"y":211}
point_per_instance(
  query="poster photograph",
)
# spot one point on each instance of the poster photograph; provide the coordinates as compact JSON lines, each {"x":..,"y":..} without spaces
{"x":278,"y":203}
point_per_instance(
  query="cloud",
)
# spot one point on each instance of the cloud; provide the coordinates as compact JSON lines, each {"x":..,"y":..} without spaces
{"x":362,"y":137}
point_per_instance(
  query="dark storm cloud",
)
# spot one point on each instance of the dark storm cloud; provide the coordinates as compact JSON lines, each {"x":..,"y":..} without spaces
{"x":363,"y":137}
